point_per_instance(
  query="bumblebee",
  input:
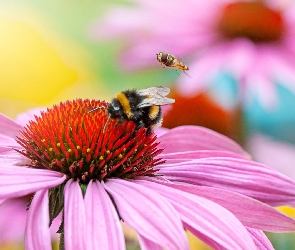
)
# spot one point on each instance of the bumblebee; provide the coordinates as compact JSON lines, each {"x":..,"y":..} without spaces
{"x":169,"y":60}
{"x":143,"y":107}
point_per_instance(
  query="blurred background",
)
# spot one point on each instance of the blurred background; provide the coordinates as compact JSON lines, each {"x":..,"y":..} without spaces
{"x":241,"y":79}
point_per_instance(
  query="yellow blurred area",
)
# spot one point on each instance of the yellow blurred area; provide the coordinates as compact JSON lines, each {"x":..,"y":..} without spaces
{"x":287,"y":210}
{"x":37,"y":66}
{"x":29,"y":66}
{"x":131,"y":239}
{"x":196,"y":243}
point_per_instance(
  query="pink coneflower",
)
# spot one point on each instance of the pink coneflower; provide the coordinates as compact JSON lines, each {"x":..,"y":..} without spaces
{"x":96,"y":174}
{"x":251,"y":40}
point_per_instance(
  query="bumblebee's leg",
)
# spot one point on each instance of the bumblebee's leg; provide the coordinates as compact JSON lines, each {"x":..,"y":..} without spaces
{"x":105,"y":125}
{"x":149,"y":130}
{"x":139,"y":125}
{"x":163,"y":65}
{"x":121,"y":120}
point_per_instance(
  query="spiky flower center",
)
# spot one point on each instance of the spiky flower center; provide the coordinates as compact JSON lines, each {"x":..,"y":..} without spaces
{"x":83,"y":145}
{"x":253,"y":20}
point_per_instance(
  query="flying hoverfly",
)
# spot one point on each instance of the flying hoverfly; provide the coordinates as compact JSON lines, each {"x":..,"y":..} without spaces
{"x":168,"y":60}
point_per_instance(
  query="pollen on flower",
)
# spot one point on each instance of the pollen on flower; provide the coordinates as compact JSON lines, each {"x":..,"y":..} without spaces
{"x":83,"y":145}
{"x":253,"y":20}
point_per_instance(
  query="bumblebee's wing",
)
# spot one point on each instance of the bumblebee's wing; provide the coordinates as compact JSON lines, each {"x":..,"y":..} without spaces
{"x":159,"y":101}
{"x":158,"y":91}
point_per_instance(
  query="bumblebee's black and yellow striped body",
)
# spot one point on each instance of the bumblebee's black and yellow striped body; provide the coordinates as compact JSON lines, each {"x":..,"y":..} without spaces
{"x":143,"y":107}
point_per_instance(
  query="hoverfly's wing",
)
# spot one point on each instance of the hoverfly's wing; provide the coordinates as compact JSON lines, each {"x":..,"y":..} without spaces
{"x":158,"y":91}
{"x":158,"y":101}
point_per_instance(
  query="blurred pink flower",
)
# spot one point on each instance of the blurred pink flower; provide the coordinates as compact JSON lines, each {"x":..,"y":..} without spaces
{"x":276,"y":154}
{"x":98,"y":175}
{"x":251,"y":40}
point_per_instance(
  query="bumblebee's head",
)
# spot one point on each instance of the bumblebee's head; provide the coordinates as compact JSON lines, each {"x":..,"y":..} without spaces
{"x":114,"y":110}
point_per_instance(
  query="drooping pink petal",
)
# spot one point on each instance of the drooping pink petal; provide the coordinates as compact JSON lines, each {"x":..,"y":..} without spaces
{"x":193,"y":138}
{"x":282,"y":66}
{"x":9,"y":158}
{"x":146,"y":244}
{"x":148,"y":213}
{"x":13,"y":227}
{"x":275,"y":154}
{"x":207,"y":220}
{"x":161,"y":131}
{"x":21,"y":181}
{"x":74,"y":217}
{"x":258,"y":86}
{"x":241,"y":176}
{"x":193,"y":155}
{"x":103,"y":225}
{"x":240,"y":205}
{"x":202,"y":70}
{"x":260,"y":239}
{"x":8,"y":141}
{"x":25,"y":117}
{"x":4,"y":150}
{"x":37,"y":227}
{"x":8,"y":126}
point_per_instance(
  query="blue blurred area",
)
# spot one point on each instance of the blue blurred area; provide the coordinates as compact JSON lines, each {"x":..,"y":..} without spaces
{"x":224,"y":90}
{"x":278,"y":123}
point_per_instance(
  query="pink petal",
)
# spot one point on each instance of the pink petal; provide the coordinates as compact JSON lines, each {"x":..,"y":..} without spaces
{"x":21,"y":181}
{"x":275,"y":154}
{"x":161,"y":131}
{"x":193,"y":155}
{"x":207,"y":220}
{"x":9,"y":127}
{"x":103,"y":225}
{"x":260,"y":84}
{"x":241,"y":176}
{"x":13,"y":216}
{"x":148,"y":213}
{"x":282,"y":68}
{"x":74,"y":217}
{"x":9,"y":158}
{"x":4,"y":150}
{"x":260,"y":240}
{"x":37,"y":227}
{"x":201,"y":70}
{"x":8,"y":141}
{"x":24,"y":118}
{"x":250,"y":212}
{"x":146,"y":244}
{"x":193,"y":138}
